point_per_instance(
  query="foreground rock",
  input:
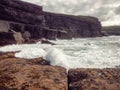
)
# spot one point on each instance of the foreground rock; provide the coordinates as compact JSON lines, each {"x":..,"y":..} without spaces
{"x":94,"y":79}
{"x":37,"y":74}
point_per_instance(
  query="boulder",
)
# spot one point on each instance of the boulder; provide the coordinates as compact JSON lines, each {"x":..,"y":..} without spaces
{"x":94,"y":79}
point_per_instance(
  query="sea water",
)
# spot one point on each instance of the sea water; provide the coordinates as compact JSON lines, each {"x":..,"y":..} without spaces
{"x":99,"y":52}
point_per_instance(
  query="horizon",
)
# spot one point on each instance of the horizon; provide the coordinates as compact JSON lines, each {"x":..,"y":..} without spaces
{"x":106,"y":11}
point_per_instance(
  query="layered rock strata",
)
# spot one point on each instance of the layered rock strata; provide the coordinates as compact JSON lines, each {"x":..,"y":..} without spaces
{"x":23,"y":16}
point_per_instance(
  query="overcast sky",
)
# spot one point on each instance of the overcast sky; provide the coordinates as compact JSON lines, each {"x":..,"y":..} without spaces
{"x":108,"y":11}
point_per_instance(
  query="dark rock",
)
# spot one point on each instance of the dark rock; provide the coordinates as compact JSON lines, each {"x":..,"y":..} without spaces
{"x":6,"y":38}
{"x":6,"y":35}
{"x":21,"y":5}
{"x":23,"y":16}
{"x":76,"y":26}
{"x":16,"y":15}
{"x":47,"y":42}
{"x":111,"y":30}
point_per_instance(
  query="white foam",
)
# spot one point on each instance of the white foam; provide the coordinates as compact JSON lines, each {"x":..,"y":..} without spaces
{"x":101,"y":52}
{"x":31,"y":53}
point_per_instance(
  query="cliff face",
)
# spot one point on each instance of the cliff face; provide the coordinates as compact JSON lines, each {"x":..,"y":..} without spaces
{"x":76,"y":26}
{"x":18,"y":11}
{"x":32,"y":17}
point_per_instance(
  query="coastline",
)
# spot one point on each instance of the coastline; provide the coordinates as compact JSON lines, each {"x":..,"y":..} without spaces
{"x":38,"y":74}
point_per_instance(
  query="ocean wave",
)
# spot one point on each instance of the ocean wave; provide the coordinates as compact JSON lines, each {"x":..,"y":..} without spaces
{"x":100,"y":52}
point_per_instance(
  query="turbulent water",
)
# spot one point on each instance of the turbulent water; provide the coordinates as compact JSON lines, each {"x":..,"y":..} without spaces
{"x":100,"y":52}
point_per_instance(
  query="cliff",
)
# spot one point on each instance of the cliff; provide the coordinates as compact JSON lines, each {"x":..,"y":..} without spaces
{"x":26,"y":16}
{"x":19,"y":11}
{"x":76,"y":26}
{"x":111,"y":30}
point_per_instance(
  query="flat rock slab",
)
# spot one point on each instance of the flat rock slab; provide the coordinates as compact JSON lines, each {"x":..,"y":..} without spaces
{"x":94,"y":79}
{"x":22,"y":74}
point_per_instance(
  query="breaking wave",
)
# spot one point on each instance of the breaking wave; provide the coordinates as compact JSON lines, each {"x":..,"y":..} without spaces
{"x":100,"y":52}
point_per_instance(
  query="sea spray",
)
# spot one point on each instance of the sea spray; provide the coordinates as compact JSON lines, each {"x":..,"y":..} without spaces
{"x":30,"y":53}
{"x":57,"y":58}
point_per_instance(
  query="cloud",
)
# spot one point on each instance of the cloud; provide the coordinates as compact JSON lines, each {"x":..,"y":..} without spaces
{"x":103,"y":9}
{"x":117,"y":11}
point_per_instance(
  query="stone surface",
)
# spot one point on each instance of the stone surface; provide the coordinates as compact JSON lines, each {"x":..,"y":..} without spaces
{"x":94,"y":79}
{"x":37,"y":74}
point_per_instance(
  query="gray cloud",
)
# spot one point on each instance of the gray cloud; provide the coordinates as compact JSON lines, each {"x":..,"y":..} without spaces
{"x":105,"y":10}
{"x":117,"y":11}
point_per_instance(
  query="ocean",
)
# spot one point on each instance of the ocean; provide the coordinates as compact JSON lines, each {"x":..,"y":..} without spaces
{"x":99,"y":52}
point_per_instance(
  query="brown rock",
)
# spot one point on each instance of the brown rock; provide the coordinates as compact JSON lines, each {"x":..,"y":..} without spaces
{"x":23,"y":74}
{"x":94,"y":79}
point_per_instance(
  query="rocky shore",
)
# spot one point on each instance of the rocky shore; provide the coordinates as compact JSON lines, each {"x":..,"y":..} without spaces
{"x":38,"y":74}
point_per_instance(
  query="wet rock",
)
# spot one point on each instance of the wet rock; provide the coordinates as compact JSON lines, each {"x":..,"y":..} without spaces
{"x":94,"y":79}
{"x":6,"y":38}
{"x":38,"y":61}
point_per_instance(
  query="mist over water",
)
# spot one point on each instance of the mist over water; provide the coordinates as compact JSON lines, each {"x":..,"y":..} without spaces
{"x":100,"y":52}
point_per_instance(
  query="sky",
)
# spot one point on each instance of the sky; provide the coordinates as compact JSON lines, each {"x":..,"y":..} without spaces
{"x":108,"y":11}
